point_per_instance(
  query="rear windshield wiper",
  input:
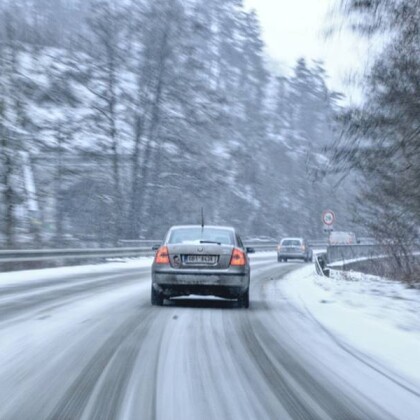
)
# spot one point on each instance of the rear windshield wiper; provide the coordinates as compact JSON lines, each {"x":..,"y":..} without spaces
{"x":210,"y":242}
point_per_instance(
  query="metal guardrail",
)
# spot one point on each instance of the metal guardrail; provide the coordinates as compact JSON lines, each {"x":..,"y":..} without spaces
{"x":139,"y":242}
{"x":33,"y":255}
{"x":337,"y":253}
{"x":10,"y":256}
{"x":261,"y":246}
{"x":340,"y":254}
{"x":257,"y":245}
{"x":317,"y":243}
{"x":145,"y":249}
{"x":346,"y":256}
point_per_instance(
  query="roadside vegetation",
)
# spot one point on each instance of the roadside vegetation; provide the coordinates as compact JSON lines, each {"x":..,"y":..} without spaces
{"x":380,"y":139}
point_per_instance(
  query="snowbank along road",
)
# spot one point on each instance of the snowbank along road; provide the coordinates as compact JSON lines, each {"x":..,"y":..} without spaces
{"x":85,"y":343}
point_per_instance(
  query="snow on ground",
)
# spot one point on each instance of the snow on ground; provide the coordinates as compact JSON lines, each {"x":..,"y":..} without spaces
{"x":374,"y":318}
{"x":13,"y":277}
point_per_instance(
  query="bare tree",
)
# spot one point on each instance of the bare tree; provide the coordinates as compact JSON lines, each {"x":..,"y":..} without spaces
{"x":11,"y":123}
{"x":162,"y":18}
{"x":104,"y":66}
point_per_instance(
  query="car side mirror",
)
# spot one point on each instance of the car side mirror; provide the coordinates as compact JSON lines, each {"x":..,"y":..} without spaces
{"x":155,"y":247}
{"x":250,"y":250}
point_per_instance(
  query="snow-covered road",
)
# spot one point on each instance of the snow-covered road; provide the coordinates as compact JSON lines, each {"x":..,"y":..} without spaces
{"x":85,"y":343}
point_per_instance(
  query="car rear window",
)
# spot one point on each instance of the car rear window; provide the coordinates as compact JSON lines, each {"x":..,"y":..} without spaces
{"x":291,"y":242}
{"x":197,"y":234}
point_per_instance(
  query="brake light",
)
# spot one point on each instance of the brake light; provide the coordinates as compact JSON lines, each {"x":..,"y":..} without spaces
{"x":238,"y":257}
{"x":162,"y":255}
{"x":278,"y":247}
{"x":303,"y":247}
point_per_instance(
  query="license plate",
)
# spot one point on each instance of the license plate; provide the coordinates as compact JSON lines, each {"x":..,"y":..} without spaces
{"x":201,"y":259}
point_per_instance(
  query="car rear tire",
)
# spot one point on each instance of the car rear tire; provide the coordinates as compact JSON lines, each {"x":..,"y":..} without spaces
{"x":156,"y":298}
{"x":279,"y":259}
{"x":306,"y":260}
{"x":243,"y":300}
{"x":285,"y":259}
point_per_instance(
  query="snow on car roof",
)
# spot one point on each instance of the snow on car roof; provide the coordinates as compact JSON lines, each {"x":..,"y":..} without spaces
{"x":205,"y":226}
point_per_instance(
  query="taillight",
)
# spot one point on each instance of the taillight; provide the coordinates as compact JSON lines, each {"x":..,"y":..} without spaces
{"x":238,"y":257}
{"x":162,"y":255}
{"x":278,"y":247}
{"x":302,"y":247}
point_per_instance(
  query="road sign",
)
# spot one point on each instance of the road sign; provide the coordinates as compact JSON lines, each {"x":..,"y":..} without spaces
{"x":328,"y":218}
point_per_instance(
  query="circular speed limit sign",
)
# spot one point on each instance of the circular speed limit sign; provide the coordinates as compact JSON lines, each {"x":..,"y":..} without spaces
{"x":328,"y":217}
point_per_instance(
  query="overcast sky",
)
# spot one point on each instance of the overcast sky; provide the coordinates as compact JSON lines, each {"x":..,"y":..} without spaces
{"x":295,"y":28}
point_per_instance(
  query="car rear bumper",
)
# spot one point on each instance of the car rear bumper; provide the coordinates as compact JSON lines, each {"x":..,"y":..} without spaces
{"x":292,"y":255}
{"x":173,"y":290}
{"x":224,"y":284}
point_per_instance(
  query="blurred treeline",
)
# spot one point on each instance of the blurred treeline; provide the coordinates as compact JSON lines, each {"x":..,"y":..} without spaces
{"x":120,"y":118}
{"x":381,"y":138}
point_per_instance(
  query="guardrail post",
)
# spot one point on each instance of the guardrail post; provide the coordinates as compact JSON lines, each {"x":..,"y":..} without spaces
{"x":321,"y":265}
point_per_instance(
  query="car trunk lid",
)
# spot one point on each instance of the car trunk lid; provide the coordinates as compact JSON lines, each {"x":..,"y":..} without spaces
{"x":200,"y":255}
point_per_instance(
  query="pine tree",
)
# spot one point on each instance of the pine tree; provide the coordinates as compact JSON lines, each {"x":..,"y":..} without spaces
{"x":380,"y":139}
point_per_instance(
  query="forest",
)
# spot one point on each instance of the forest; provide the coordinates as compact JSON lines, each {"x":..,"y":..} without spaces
{"x":121,"y":118}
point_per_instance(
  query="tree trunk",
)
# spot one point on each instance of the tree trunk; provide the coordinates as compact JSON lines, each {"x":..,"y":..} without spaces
{"x":133,"y":225}
{"x":59,"y":214}
{"x":8,"y":194}
{"x":150,"y":154}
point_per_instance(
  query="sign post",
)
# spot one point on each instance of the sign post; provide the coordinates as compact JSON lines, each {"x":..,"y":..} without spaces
{"x":328,"y":219}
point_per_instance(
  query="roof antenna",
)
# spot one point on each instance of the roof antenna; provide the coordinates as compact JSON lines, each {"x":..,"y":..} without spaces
{"x":202,"y":218}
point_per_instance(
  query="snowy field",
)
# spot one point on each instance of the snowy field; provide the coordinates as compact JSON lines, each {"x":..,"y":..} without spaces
{"x":375,"y":318}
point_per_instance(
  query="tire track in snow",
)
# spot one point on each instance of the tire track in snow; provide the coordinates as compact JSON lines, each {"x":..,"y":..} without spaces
{"x":110,"y":369}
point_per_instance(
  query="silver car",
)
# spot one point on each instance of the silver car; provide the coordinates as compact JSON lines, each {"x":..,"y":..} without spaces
{"x":294,"y":248}
{"x":201,"y":260}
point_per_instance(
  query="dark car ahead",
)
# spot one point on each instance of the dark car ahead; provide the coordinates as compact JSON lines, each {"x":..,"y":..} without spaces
{"x":201,"y":260}
{"x":294,"y":248}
